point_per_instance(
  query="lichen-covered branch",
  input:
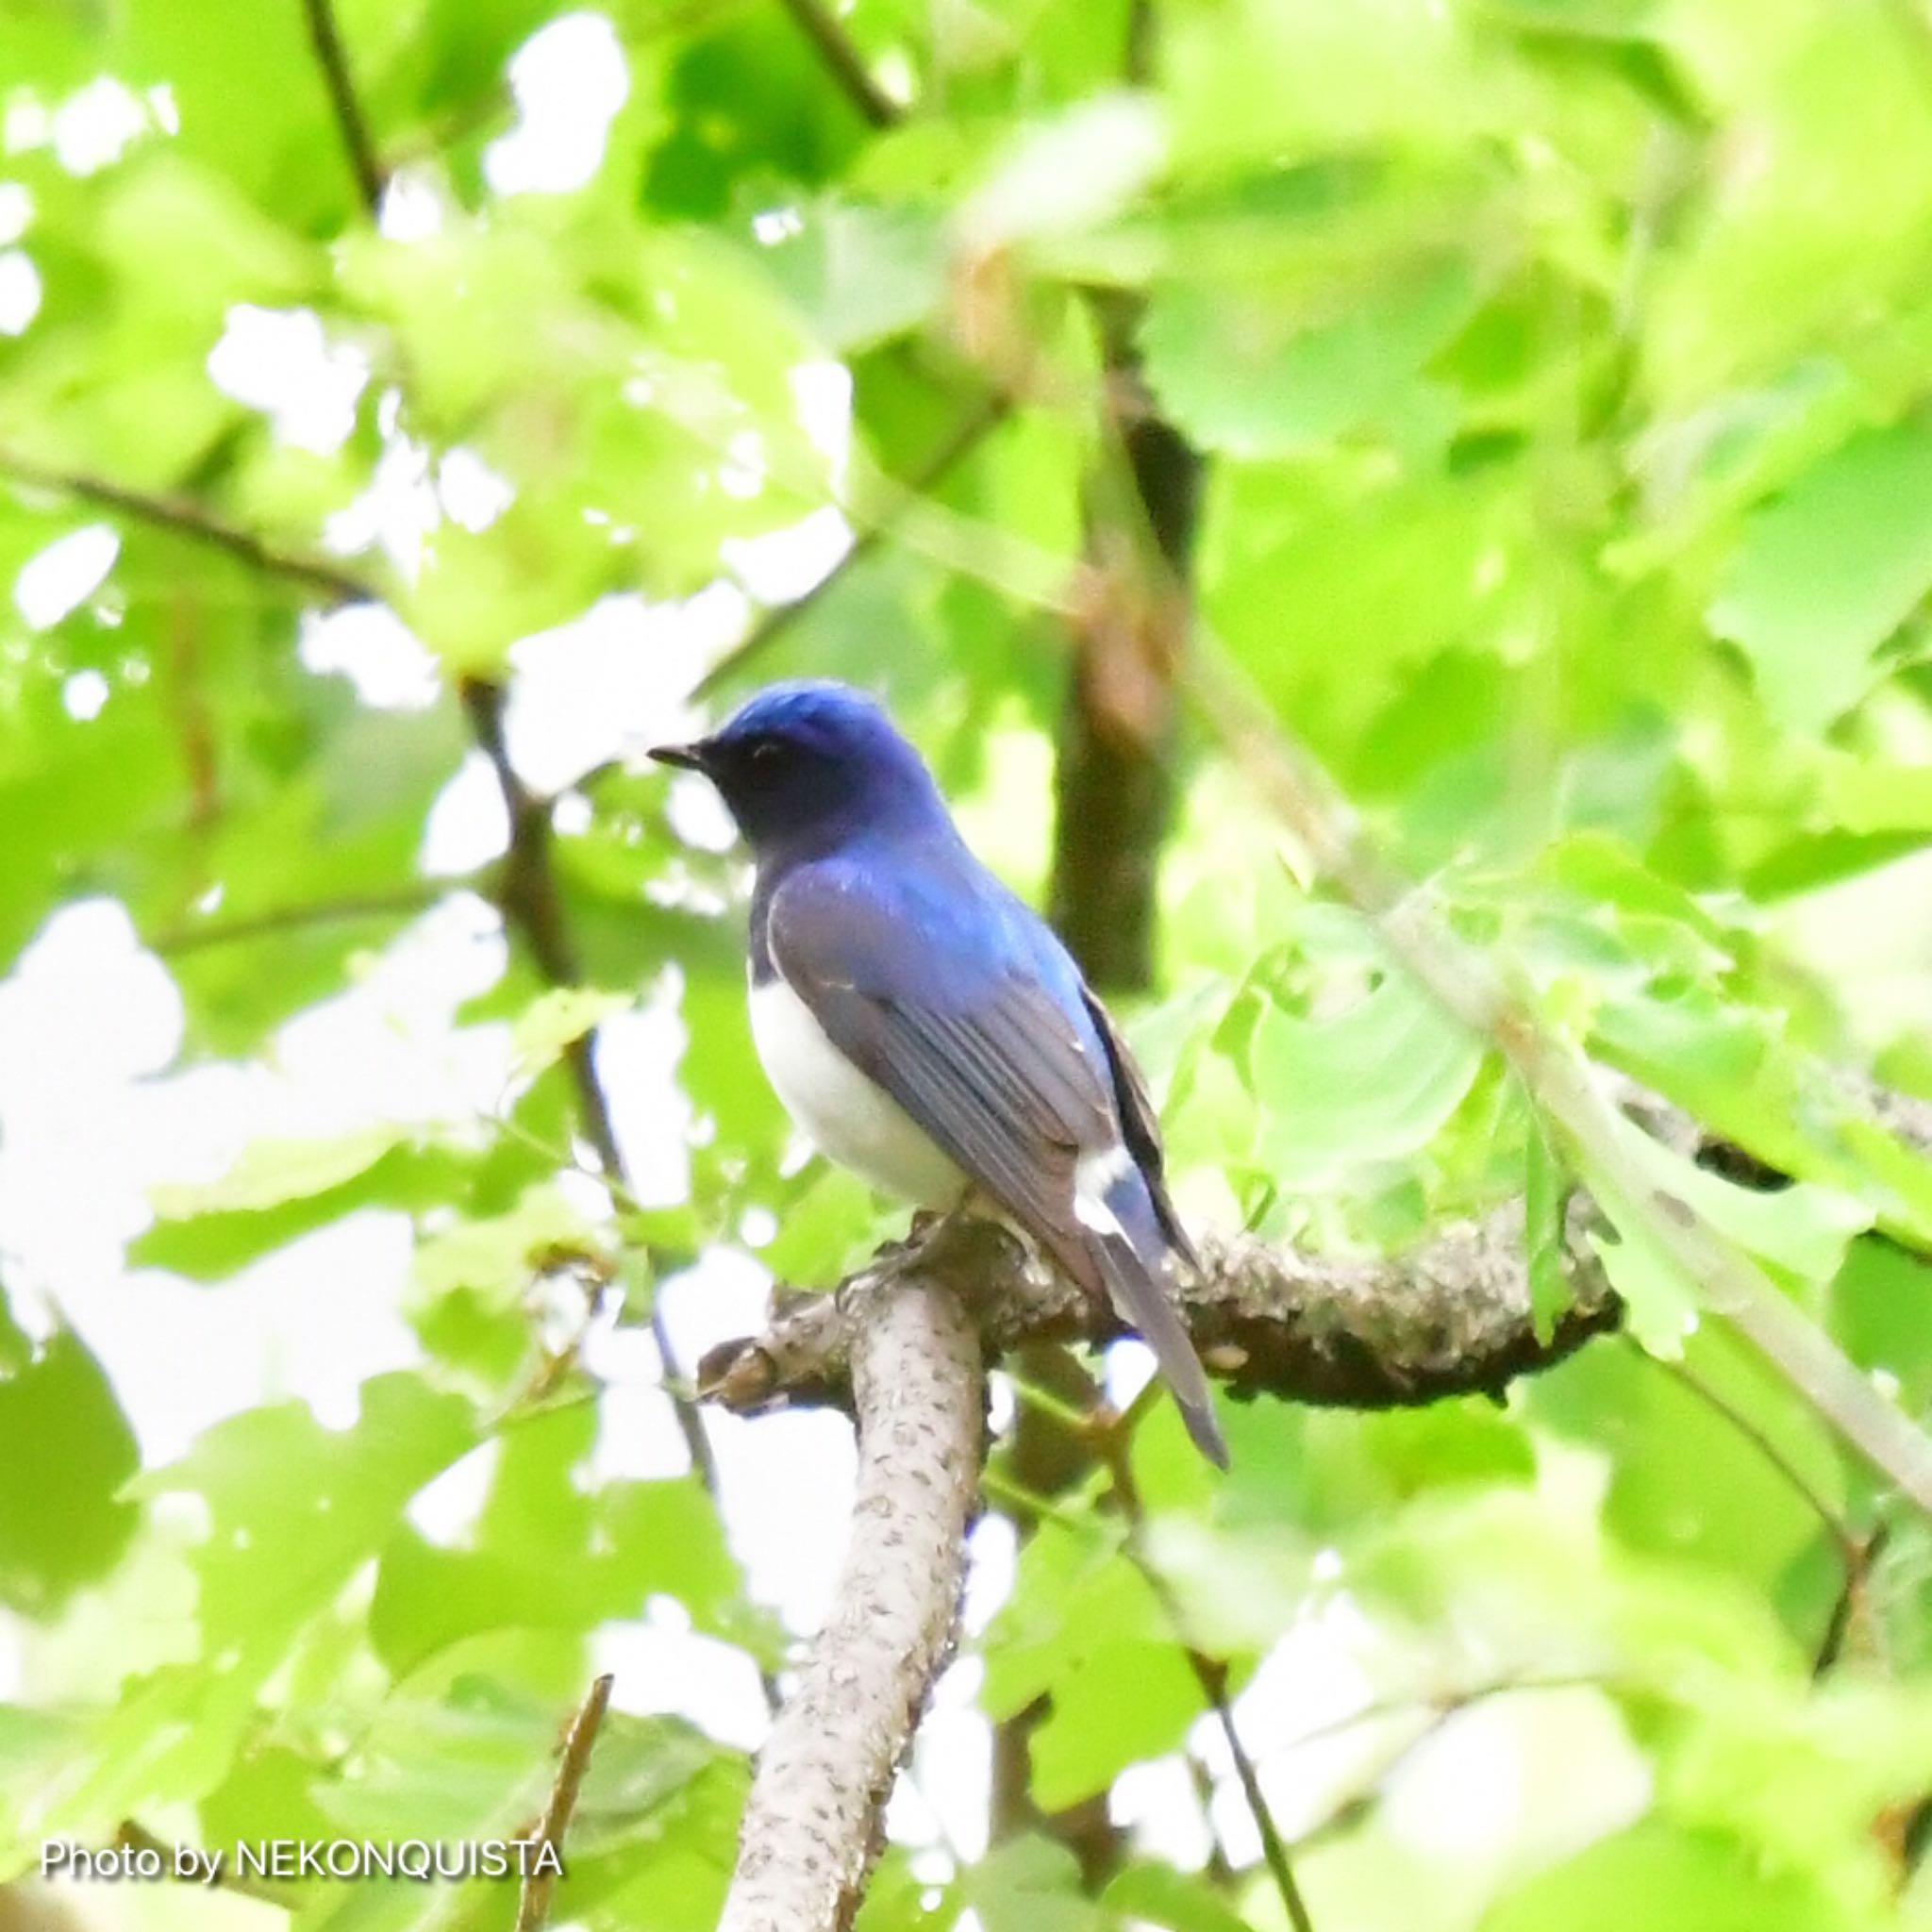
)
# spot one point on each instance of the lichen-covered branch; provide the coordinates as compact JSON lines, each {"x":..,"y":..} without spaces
{"x":812,"y":1826}
{"x":1449,"y":1317}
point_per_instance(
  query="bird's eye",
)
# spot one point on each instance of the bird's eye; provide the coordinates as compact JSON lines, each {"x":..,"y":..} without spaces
{"x":764,"y":751}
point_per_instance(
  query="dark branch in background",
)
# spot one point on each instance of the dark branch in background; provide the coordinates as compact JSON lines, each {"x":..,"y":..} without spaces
{"x":844,"y":62}
{"x":335,"y":584}
{"x":959,"y":442}
{"x":533,"y":910}
{"x":1114,"y":775}
{"x":811,"y":1825}
{"x":574,"y":1760}
{"x":357,"y":143}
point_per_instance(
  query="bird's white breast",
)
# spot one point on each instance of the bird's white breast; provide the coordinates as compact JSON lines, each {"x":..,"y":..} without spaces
{"x":847,"y":1116}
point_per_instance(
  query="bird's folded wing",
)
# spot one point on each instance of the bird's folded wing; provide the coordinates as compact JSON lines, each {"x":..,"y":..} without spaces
{"x":969,"y":1043}
{"x":1140,"y":1125}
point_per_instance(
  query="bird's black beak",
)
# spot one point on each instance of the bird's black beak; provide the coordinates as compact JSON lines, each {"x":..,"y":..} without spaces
{"x":694,"y":756}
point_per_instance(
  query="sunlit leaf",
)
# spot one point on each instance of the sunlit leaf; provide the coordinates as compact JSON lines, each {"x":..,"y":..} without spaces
{"x":1829,"y":571}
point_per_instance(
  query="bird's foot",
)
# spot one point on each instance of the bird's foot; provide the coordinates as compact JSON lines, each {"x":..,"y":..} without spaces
{"x":933,"y":1240}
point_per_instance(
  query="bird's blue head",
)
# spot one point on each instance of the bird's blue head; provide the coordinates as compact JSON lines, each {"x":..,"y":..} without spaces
{"x":806,"y":764}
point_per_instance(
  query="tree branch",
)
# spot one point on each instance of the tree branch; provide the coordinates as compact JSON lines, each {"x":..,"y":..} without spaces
{"x":189,"y":520}
{"x":400,"y":903}
{"x":350,"y":120}
{"x":1449,"y":1318}
{"x":533,"y":909}
{"x":812,"y":1825}
{"x":533,"y":1903}
{"x":1560,"y":1082}
{"x":966,"y":435}
{"x":844,"y":62}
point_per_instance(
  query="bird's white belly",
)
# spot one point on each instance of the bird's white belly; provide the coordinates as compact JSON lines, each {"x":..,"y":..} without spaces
{"x":848,"y":1117}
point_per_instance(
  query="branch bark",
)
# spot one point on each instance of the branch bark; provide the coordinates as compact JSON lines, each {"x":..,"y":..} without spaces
{"x":812,"y":1828}
{"x":1451,"y":1317}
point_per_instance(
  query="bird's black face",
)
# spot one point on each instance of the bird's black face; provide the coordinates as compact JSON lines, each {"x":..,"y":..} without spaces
{"x":801,"y":763}
{"x":771,"y":780}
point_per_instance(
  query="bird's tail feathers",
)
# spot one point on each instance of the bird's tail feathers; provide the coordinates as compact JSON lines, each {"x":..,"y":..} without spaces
{"x":1133,"y":1260}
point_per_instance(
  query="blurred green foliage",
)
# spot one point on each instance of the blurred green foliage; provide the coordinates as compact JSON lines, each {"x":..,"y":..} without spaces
{"x":1562,"y":370}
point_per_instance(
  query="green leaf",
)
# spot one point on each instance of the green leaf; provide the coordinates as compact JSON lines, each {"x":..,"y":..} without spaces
{"x":293,"y":1510}
{"x":1375,"y":1082}
{"x":1031,"y":1885}
{"x":1829,"y":571}
{"x":1255,"y":380}
{"x":557,"y":1019}
{"x":1670,"y":1879}
{"x":296,"y":1508}
{"x":275,"y":1171}
{"x":213,"y":1245}
{"x":67,"y":1451}
{"x":1122,"y":1701}
{"x":1069,"y":174}
{"x":832,"y":1227}
{"x":1687,"y":1484}
{"x":1881,"y":1310}
{"x":1084,"y":1628}
{"x":548,"y":1556}
{"x":1181,"y":1901}
{"x":862,"y":275}
{"x":495,"y":1258}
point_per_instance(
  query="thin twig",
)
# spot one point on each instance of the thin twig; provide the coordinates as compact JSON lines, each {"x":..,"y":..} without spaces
{"x":1850,"y":1609}
{"x":353,"y":907}
{"x":540,"y":1883}
{"x":189,"y":520}
{"x":350,"y":119}
{"x":843,"y":60}
{"x":965,"y":436}
{"x":1844,"y":1539}
{"x":1210,"y":1673}
{"x":1448,"y":1702}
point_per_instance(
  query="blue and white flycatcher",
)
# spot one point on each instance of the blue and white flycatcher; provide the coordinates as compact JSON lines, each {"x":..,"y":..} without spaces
{"x":926,"y":1028}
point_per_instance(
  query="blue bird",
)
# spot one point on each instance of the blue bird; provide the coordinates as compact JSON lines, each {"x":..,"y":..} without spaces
{"x":926,"y":1028}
